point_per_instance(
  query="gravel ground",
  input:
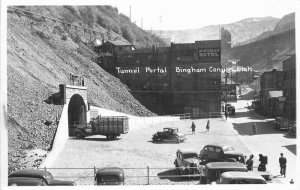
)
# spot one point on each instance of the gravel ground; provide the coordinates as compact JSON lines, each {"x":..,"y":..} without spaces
{"x":136,"y":150}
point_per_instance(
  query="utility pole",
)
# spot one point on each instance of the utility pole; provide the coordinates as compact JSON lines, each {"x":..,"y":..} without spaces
{"x":142,"y":22}
{"x":160,"y":25}
{"x":130,"y":13}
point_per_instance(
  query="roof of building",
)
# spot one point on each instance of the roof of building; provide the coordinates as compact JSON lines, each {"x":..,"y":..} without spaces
{"x":275,"y":93}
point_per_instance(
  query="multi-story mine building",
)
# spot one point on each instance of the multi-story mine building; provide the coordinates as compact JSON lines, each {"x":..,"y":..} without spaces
{"x":182,"y":78}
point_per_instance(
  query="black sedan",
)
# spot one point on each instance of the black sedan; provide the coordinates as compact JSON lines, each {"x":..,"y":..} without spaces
{"x":22,"y":177}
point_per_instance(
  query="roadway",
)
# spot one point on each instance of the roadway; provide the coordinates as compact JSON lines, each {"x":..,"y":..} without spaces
{"x":267,"y":140}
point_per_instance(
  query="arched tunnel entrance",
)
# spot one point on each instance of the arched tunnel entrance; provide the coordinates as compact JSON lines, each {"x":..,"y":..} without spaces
{"x":76,"y":113}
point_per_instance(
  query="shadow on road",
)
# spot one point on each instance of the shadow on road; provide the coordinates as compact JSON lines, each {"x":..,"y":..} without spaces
{"x":262,"y":128}
{"x":250,"y":114}
{"x":94,"y":139}
{"x":164,"y":142}
{"x":291,"y":148}
{"x":172,"y":176}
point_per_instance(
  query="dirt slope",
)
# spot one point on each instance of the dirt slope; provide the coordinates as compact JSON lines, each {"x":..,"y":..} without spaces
{"x":39,"y":59}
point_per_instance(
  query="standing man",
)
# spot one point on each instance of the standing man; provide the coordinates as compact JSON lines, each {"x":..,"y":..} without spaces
{"x":254,"y":128}
{"x":282,"y":163}
{"x":207,"y":126}
{"x":250,"y":163}
{"x":193,"y":127}
{"x":226,"y":114}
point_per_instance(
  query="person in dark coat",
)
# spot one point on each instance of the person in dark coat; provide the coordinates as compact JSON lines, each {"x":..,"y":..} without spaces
{"x":282,"y":163}
{"x":254,"y":128}
{"x":193,"y":127}
{"x":249,"y":163}
{"x":207,"y":126}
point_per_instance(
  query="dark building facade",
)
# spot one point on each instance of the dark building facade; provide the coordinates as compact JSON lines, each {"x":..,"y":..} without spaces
{"x":271,"y":85}
{"x":182,"y":78}
{"x":289,"y":87}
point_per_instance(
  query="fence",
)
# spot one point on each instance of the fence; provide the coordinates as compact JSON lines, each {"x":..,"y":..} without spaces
{"x":133,"y":176}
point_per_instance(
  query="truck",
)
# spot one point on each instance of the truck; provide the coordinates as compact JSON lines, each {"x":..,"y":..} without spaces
{"x":109,"y":126}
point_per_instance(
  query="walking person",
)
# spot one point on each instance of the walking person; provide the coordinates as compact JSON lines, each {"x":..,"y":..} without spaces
{"x":226,"y":114}
{"x":254,"y":128}
{"x":249,"y":163}
{"x":282,"y":163}
{"x":193,"y":127}
{"x":207,"y":126}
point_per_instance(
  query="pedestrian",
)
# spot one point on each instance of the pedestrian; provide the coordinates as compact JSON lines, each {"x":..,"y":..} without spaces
{"x":282,"y":163}
{"x":193,"y":127}
{"x":226,"y":114}
{"x":207,"y":126}
{"x":249,"y":163}
{"x":254,"y":128}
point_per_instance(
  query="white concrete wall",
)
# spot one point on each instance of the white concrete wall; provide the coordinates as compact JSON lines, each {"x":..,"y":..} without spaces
{"x":61,"y":136}
{"x":136,"y":122}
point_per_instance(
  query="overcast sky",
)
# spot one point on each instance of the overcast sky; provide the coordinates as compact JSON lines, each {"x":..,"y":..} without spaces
{"x":192,"y":14}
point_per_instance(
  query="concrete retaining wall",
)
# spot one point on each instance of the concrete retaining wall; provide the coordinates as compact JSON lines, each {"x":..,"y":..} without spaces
{"x":61,"y":136}
{"x":136,"y":122}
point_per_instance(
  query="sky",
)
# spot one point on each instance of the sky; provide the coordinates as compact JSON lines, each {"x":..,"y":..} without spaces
{"x":184,"y":14}
{"x":193,"y":14}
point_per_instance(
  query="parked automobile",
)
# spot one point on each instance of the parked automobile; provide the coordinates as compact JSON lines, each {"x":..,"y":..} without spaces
{"x":26,"y":181}
{"x":230,"y":108}
{"x":236,"y":177}
{"x":110,"y":176}
{"x":212,"y":171}
{"x":46,"y":176}
{"x":186,"y":161}
{"x":281,"y":123}
{"x":217,"y":153}
{"x":170,"y":134}
{"x":111,"y":127}
{"x":292,"y":128}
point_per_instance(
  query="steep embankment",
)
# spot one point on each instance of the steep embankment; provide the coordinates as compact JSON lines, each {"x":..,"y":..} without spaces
{"x":42,"y":55}
{"x":103,"y":18}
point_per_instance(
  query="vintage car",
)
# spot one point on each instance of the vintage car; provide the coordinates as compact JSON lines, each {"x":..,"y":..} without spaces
{"x":109,"y":176}
{"x":230,"y":108}
{"x":46,"y":176}
{"x":170,"y":134}
{"x":281,"y":123}
{"x":236,"y":177}
{"x":186,"y":161}
{"x":26,"y":181}
{"x":212,"y":171}
{"x":218,"y":153}
{"x":292,"y":128}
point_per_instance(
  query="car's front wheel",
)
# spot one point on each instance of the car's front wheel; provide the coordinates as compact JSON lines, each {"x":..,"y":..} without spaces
{"x":176,"y":139}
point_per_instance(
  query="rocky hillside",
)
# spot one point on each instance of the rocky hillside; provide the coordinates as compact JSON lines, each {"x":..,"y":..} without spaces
{"x":266,"y":54}
{"x":285,"y":24}
{"x":41,"y":55}
{"x":241,"y":31}
{"x":101,"y":18}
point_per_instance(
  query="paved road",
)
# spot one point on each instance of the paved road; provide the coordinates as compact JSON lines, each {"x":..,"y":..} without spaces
{"x":267,"y":140}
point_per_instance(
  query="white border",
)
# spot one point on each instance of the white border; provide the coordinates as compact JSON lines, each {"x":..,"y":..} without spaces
{"x":3,"y":104}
